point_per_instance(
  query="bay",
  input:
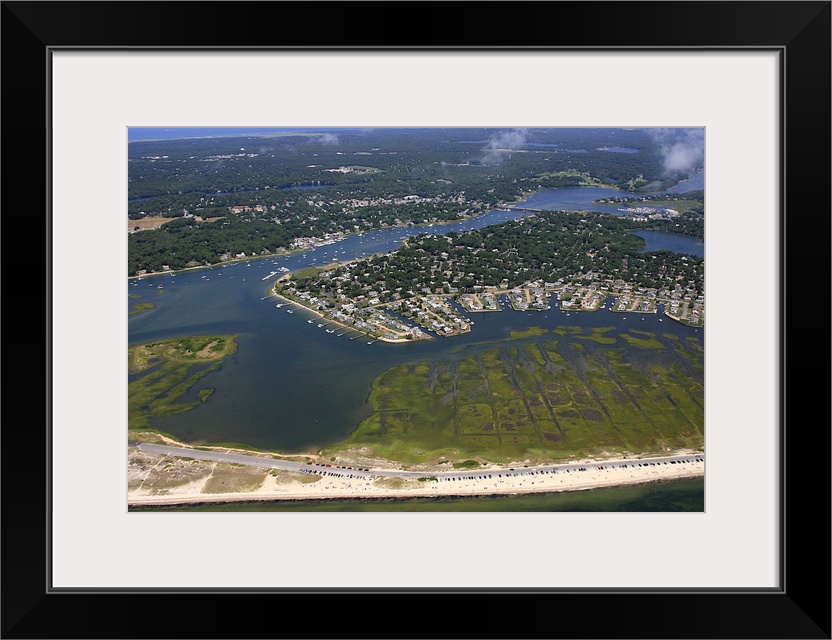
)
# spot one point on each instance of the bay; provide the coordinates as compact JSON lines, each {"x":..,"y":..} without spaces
{"x":293,"y":387}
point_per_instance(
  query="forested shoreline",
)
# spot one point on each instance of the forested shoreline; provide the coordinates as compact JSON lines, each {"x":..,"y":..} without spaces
{"x":257,"y":194}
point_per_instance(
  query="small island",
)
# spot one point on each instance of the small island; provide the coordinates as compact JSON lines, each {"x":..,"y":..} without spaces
{"x":174,"y":367}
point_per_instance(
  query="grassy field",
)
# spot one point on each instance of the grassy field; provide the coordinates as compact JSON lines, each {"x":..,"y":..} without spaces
{"x":588,"y":179}
{"x":641,"y":339}
{"x":528,"y":333}
{"x":165,"y":371}
{"x":140,"y":307}
{"x":599,"y":335}
{"x":541,"y":396}
{"x":148,"y":222}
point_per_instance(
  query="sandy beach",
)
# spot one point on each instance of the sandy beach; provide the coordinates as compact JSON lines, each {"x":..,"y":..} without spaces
{"x":265,"y":485}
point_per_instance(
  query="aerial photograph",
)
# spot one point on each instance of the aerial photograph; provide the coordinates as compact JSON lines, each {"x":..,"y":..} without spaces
{"x":416,"y":319}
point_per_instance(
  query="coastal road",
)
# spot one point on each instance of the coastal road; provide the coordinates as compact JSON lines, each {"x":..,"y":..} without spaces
{"x":257,"y":461}
{"x":445,"y":476}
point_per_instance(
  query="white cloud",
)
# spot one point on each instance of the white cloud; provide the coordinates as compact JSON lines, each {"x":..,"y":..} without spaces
{"x":681,"y":149}
{"x":495,"y":151}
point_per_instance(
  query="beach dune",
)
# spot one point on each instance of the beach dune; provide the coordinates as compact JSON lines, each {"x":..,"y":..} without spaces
{"x":197,"y":481}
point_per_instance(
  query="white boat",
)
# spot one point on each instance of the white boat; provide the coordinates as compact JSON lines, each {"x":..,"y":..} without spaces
{"x":289,"y":311}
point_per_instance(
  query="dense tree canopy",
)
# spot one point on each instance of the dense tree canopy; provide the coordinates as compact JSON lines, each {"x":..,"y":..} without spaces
{"x":255,"y":194}
{"x":549,"y":247}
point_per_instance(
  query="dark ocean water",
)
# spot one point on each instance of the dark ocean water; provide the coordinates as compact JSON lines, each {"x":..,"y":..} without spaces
{"x":179,"y":133}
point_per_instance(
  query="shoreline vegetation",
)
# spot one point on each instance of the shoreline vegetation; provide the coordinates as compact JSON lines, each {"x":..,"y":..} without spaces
{"x":164,"y":372}
{"x":561,"y":388}
{"x":282,"y":253}
{"x":154,"y":222}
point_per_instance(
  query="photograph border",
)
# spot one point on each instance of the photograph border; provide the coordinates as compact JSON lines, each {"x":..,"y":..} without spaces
{"x":799,"y":31}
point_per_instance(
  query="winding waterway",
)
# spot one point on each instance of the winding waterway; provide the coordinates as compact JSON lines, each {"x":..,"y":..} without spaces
{"x":292,"y":386}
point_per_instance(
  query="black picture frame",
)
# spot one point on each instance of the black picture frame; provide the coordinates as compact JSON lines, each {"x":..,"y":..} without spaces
{"x":800,"y":608}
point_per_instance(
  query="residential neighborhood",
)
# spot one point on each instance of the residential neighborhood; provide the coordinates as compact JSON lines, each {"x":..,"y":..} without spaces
{"x":428,"y":288}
